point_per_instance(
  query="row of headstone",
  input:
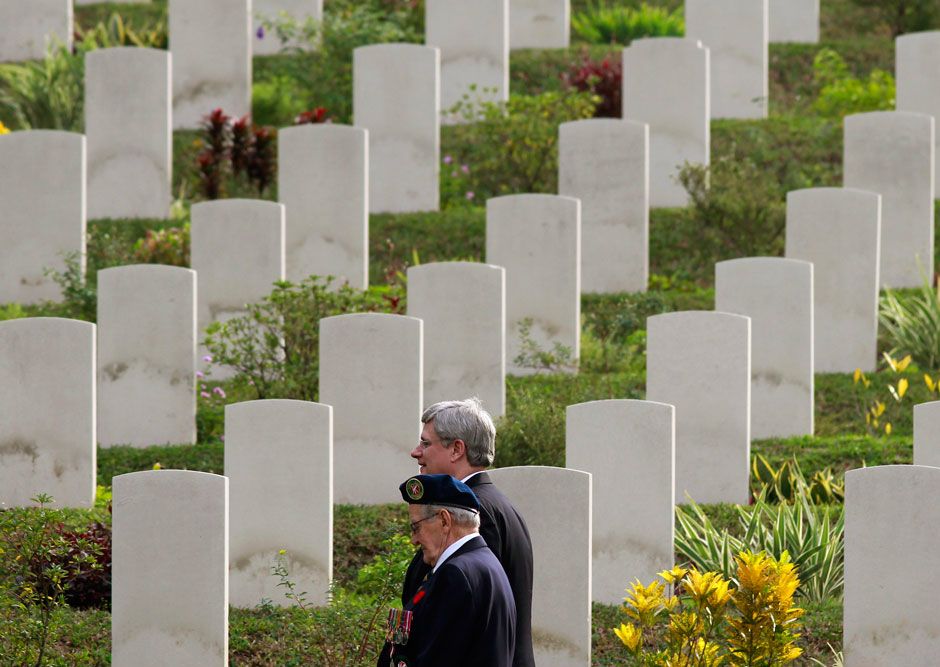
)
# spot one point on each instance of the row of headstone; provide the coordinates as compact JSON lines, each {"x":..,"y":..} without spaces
{"x":27,"y":29}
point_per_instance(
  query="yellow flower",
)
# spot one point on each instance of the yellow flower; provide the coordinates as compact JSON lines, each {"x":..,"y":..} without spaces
{"x":644,"y":602}
{"x":673,"y":575}
{"x":630,"y":635}
{"x":904,"y":363}
{"x":879,"y":409}
{"x":157,"y":466}
{"x":902,"y":387}
{"x":3,"y":128}
{"x":891,"y":362}
{"x":702,"y":586}
{"x":888,"y":428}
{"x":754,"y":572}
{"x":931,"y":385}
{"x":857,"y":376}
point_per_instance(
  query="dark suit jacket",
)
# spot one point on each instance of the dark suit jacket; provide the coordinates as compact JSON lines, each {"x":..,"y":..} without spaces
{"x":464,"y":615}
{"x":507,"y":536}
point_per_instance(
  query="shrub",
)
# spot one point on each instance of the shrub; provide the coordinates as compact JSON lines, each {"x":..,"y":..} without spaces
{"x":905,"y":15}
{"x":456,"y":186}
{"x":88,"y":587}
{"x":787,"y":483}
{"x":883,"y":403}
{"x":842,"y":94}
{"x":79,"y":295}
{"x":235,"y":149}
{"x":45,"y":94}
{"x":910,"y":323}
{"x":274,"y":348}
{"x":164,"y":246}
{"x":603,"y":24}
{"x":601,"y":78}
{"x":116,"y":32}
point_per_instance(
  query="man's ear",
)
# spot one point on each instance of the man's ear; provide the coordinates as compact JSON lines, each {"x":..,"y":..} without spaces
{"x":447,"y":519}
{"x":458,"y":450}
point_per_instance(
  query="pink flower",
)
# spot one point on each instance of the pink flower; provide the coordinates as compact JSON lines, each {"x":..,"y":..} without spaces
{"x":205,"y":394}
{"x":470,"y":195}
{"x":218,"y":391}
{"x":448,"y":159}
{"x":200,"y":374}
{"x":465,"y":168}
{"x":207,"y":358}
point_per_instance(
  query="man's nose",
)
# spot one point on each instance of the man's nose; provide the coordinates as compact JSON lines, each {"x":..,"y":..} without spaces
{"x":416,"y":452}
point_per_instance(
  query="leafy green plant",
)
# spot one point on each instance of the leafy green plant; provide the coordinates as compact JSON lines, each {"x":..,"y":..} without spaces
{"x":532,"y":355}
{"x":45,"y":94}
{"x":905,"y":15}
{"x":274,"y":348}
{"x":117,"y":32}
{"x":883,"y":403}
{"x":910,"y":323}
{"x":601,"y":78}
{"x":786,"y":483}
{"x":807,"y":532}
{"x":164,"y":246}
{"x":387,"y":568}
{"x":841,"y":94}
{"x":79,"y":295}
{"x":601,"y":23}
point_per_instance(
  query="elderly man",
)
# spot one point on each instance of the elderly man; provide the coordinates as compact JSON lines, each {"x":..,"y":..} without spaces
{"x":459,"y":439}
{"x":463,"y":614}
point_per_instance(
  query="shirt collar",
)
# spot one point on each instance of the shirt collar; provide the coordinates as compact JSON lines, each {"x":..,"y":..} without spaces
{"x":473,"y":474}
{"x":449,"y":551}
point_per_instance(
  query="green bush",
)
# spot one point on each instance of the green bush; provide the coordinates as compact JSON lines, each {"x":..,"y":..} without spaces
{"x":910,"y":324}
{"x":603,"y":24}
{"x":46,"y":94}
{"x":842,"y":94}
{"x":906,"y":15}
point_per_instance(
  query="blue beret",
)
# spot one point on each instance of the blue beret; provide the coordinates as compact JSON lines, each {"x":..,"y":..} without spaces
{"x":438,"y":490}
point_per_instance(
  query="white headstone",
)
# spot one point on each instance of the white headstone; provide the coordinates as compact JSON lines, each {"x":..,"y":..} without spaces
{"x":700,"y":362}
{"x":556,"y":504}
{"x":146,"y":355}
{"x":42,"y":197}
{"x":404,"y":144}
{"x":892,"y":153}
{"x":237,"y":250}
{"x":889,"y":541}
{"x":539,"y":24}
{"x":47,"y":411}
{"x":604,"y":162}
{"x":128,"y":123}
{"x":629,"y":449}
{"x":266,"y":41}
{"x":777,"y":294}
{"x":279,"y":461}
{"x":28,"y":27}
{"x":736,"y":32}
{"x":328,"y":216}
{"x":927,"y":434}
{"x":371,"y":373}
{"x":794,"y":21}
{"x":537,"y":238}
{"x":666,"y":85}
{"x":169,"y":581}
{"x":838,"y":230}
{"x":473,"y":37}
{"x":463,"y":306}
{"x":211,"y":46}
{"x":917,"y":67}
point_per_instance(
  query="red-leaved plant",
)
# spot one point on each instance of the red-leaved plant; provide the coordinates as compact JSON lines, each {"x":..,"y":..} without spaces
{"x":601,"y":77}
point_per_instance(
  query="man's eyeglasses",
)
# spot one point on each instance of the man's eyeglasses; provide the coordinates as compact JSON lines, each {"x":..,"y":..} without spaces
{"x":417,"y":524}
{"x":427,"y":443}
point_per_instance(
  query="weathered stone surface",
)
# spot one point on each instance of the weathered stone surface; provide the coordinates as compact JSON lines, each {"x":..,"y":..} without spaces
{"x":794,"y":21}
{"x":42,"y":197}
{"x":128,"y":123}
{"x":892,"y":153}
{"x":404,"y":146}
{"x":328,"y":216}
{"x":211,"y":46}
{"x":927,"y":434}
{"x":629,"y":449}
{"x":463,"y":306}
{"x":889,"y":512}
{"x":47,"y":411}
{"x":537,"y":239}
{"x":556,"y":504}
{"x":736,"y":32}
{"x":917,"y":67}
{"x":265,"y":41}
{"x":666,"y":85}
{"x":777,"y":294}
{"x":169,"y":582}
{"x":539,"y":24}
{"x":146,"y":355}
{"x":839,"y":230}
{"x":279,"y":461}
{"x":604,"y":162}
{"x":371,"y":373}
{"x":700,"y":362}
{"x":28,"y":27}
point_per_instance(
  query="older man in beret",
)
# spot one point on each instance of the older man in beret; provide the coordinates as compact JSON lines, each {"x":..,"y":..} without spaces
{"x":463,"y":614}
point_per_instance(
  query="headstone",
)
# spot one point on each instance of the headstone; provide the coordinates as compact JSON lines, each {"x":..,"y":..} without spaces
{"x":47,"y":411}
{"x":838,"y":230}
{"x":604,"y":162}
{"x":237,"y":250}
{"x":371,"y":373}
{"x":539,"y":24}
{"x":666,"y":85}
{"x":169,"y":578}
{"x":794,"y":21}
{"x":29,"y":27}
{"x":736,"y":32}
{"x":629,"y":449}
{"x":146,"y":355}
{"x":211,"y":46}
{"x":889,"y":543}
{"x":404,"y":145}
{"x":892,"y":153}
{"x":328,"y":215}
{"x":700,"y":362}
{"x":917,"y":67}
{"x":42,"y":197}
{"x":777,"y":294}
{"x":927,"y":434}
{"x":556,"y":504}
{"x":128,"y":123}
{"x":266,"y":41}
{"x":537,"y":239}
{"x":279,"y":461}
{"x":473,"y":38}
{"x":463,"y":306}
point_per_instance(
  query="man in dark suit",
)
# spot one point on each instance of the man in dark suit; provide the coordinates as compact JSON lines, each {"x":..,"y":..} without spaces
{"x":459,"y":439}
{"x":463,"y":614}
